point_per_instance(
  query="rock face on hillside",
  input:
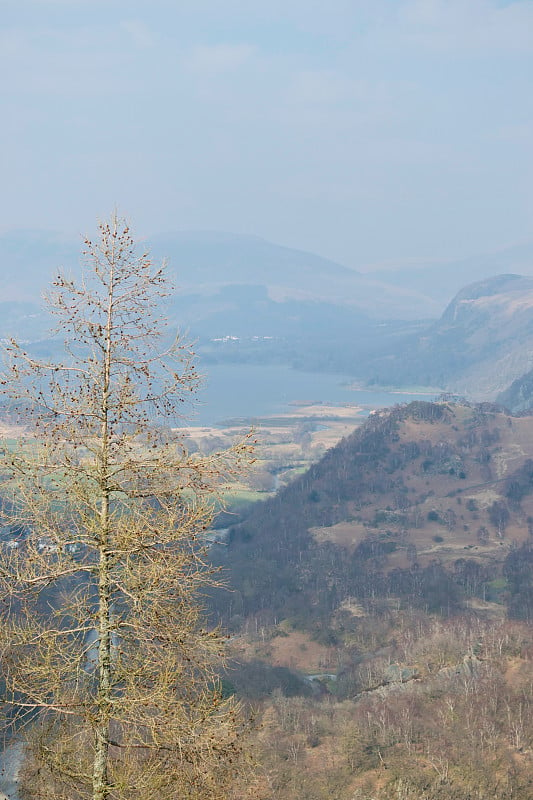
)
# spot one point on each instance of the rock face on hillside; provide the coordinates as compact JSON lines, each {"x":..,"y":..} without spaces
{"x":426,"y":503}
{"x":482,"y":342}
{"x":484,"y":298}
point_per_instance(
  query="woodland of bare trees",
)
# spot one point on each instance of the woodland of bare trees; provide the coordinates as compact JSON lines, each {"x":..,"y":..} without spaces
{"x":423,"y":708}
{"x":109,"y":672}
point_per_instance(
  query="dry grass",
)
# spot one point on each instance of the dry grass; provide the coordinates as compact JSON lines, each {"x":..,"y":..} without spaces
{"x":298,"y":651}
{"x":293,"y":649}
{"x":344,"y":534}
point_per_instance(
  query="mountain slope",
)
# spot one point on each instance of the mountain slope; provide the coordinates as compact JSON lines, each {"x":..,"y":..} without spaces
{"x":518,"y":397}
{"x":207,"y":261}
{"x":203,"y":262}
{"x":482,"y":342}
{"x":424,"y":503}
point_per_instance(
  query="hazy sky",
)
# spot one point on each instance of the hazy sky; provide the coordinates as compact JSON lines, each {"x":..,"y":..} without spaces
{"x":364,"y":130}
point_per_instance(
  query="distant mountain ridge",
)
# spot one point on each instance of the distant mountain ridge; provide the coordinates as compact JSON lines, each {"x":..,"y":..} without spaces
{"x":207,"y":261}
{"x":438,"y":282}
{"x":244,"y":299}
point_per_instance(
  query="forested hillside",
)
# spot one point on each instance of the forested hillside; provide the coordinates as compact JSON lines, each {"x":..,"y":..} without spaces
{"x":380,"y":607}
{"x":422,"y":708}
{"x":427,"y":503}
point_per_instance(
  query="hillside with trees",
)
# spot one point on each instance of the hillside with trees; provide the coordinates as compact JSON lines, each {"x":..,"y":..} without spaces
{"x":422,"y":708}
{"x":425,"y":503}
{"x":379,"y":605}
{"x":380,"y":609}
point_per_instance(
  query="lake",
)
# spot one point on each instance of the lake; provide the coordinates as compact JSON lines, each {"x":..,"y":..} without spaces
{"x":243,"y":390}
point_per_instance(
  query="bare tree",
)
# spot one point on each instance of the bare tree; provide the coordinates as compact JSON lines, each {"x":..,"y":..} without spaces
{"x":104,"y":653}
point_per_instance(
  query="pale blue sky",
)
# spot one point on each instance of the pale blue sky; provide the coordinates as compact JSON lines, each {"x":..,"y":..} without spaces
{"x":365,"y":130}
